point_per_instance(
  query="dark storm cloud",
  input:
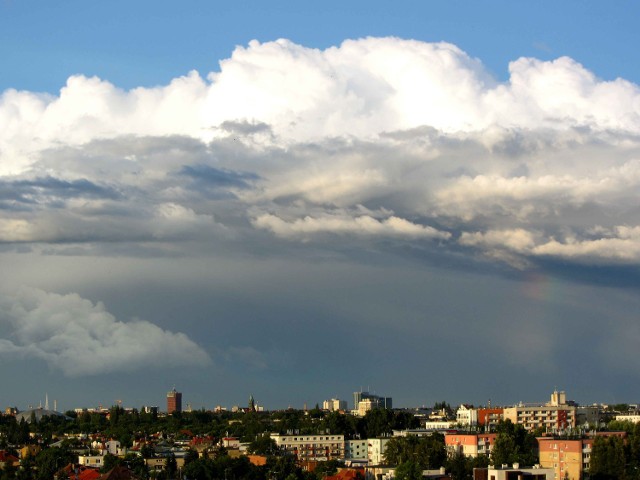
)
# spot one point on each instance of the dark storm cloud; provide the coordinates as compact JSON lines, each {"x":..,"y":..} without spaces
{"x":217,"y":182}
{"x":51,"y":190}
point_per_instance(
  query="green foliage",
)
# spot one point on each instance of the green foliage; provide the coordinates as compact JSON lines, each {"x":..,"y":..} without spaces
{"x":513,"y":444}
{"x":110,"y":461}
{"x":330,"y":467}
{"x":607,"y":459}
{"x":137,"y":465}
{"x":50,"y":460}
{"x":339,"y":424}
{"x":409,"y":470}
{"x":427,"y":452}
{"x":263,"y":445}
{"x":171,"y":466}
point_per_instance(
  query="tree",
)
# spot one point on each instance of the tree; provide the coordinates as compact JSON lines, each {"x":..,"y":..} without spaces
{"x":50,"y":460}
{"x":147,"y":451}
{"x":513,"y":444}
{"x":504,"y":450}
{"x":190,"y":456}
{"x":137,"y":465}
{"x":409,"y":470}
{"x":607,"y":459}
{"x":110,"y":461}
{"x":459,"y":467}
{"x":171,"y":466}
{"x":197,"y":469}
{"x":428,"y":452}
{"x":263,"y":445}
{"x":327,"y":468}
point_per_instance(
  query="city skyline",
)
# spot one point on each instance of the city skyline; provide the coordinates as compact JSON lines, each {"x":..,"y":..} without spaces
{"x":438,"y":199}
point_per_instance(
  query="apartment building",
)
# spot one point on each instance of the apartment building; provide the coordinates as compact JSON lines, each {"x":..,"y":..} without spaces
{"x":356,"y":449}
{"x":376,"y":450}
{"x":312,"y":447}
{"x":334,"y":405}
{"x":489,"y":417}
{"x":555,"y":416}
{"x":469,"y":444}
{"x":466,"y":416}
{"x":568,"y":458}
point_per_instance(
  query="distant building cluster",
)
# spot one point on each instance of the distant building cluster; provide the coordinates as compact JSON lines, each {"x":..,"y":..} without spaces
{"x":565,"y":434}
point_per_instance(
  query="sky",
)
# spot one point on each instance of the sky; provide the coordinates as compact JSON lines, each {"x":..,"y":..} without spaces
{"x":431,"y":200}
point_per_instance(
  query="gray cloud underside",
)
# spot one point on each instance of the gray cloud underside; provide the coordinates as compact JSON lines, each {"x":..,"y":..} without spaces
{"x":571,"y":196}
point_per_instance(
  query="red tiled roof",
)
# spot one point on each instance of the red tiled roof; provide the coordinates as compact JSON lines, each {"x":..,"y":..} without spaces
{"x":7,"y":457}
{"x":118,"y":473}
{"x":346,"y":474}
{"x":89,"y":474}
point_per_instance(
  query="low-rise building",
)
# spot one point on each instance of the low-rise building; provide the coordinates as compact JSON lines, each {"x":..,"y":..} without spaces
{"x":92,"y":461}
{"x":628,"y":418}
{"x":514,"y":472}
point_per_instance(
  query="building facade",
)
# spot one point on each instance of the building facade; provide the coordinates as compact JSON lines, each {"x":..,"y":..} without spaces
{"x":555,"y":416}
{"x":466,"y":416}
{"x":356,"y":450}
{"x":513,"y":473}
{"x":567,"y":458}
{"x":371,"y":400}
{"x":312,"y":447}
{"x":334,"y":405}
{"x":174,"y":401}
{"x":376,"y":449}
{"x":469,"y":444}
{"x":489,"y":417}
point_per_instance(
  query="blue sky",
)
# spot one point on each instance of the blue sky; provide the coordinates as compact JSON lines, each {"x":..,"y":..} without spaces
{"x":147,"y":43}
{"x":434,"y":199}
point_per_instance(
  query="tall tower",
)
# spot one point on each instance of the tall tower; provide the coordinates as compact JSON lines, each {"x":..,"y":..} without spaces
{"x":174,"y":401}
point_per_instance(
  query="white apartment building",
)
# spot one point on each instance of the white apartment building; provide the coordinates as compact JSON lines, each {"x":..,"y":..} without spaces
{"x":376,"y":449}
{"x":312,"y":447}
{"x":93,"y":461}
{"x":506,"y":473}
{"x":466,"y":416}
{"x":334,"y":405}
{"x":439,"y":425}
{"x":356,"y":449}
{"x":628,"y":418}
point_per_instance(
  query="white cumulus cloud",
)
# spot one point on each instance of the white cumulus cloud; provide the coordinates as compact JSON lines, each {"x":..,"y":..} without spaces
{"x":78,"y":337}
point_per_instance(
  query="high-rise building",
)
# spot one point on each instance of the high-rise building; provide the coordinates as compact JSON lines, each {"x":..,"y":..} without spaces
{"x":371,"y":401}
{"x":174,"y":401}
{"x":334,"y":405}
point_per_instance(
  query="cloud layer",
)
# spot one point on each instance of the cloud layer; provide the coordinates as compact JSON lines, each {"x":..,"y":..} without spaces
{"x":78,"y":337}
{"x":369,"y":181}
{"x":303,"y":143}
